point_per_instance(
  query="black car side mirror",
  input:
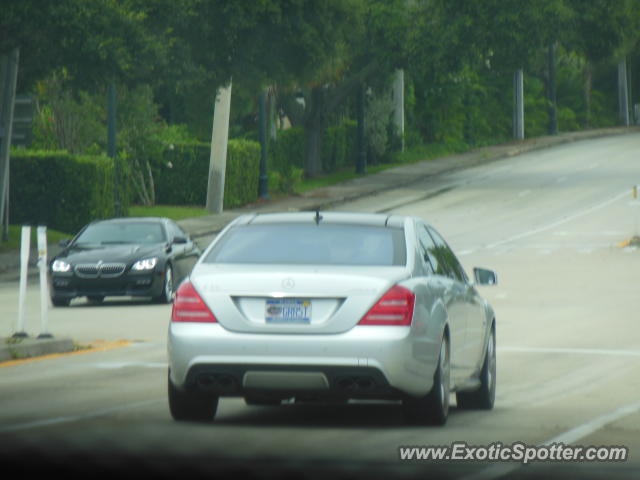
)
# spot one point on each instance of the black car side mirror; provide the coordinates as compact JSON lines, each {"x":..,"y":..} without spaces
{"x":180,"y":240}
{"x":485,"y":277}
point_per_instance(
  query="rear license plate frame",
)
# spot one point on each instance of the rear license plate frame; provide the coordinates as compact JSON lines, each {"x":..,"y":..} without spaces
{"x":287,"y":311}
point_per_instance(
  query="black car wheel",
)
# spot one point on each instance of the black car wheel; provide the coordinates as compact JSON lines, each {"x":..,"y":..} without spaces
{"x":191,"y":406}
{"x":261,"y":400}
{"x":60,"y":302}
{"x":484,"y":397}
{"x":433,"y":408}
{"x":167,"y":289}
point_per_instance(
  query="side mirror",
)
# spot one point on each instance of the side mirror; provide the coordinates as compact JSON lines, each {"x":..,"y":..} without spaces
{"x":180,"y":240}
{"x":485,"y":277}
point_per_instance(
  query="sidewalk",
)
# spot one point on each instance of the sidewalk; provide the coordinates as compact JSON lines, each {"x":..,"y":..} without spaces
{"x":322,"y":198}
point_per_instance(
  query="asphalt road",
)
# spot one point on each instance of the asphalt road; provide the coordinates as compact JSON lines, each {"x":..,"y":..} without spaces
{"x":552,"y":223}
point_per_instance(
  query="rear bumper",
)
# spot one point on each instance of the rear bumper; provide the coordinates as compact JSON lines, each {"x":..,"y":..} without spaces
{"x":283,"y":381}
{"x":365,"y":362}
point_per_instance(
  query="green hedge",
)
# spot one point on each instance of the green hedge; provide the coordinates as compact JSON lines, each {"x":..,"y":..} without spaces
{"x":60,"y":190}
{"x":287,"y":153}
{"x":182,"y":176}
{"x":339,"y":147}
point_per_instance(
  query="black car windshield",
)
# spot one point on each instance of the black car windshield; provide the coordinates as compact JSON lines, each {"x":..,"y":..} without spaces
{"x":323,"y":244}
{"x":121,"y":232}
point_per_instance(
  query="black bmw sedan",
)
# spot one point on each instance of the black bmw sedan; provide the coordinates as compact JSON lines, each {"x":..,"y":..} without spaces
{"x":139,"y":257}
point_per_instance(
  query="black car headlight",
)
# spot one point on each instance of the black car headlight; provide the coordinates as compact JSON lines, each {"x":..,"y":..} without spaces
{"x":145,"y":264}
{"x":60,"y":266}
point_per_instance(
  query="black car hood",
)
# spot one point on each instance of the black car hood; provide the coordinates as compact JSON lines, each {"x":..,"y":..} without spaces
{"x":110,"y":253}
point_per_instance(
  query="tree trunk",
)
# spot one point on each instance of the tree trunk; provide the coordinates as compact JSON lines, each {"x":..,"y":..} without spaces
{"x":313,"y":145}
{"x":313,"y":131}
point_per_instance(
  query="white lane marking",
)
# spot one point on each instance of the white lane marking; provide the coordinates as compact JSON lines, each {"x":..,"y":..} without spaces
{"x":594,"y":425}
{"x":77,"y":418}
{"x":551,"y":225}
{"x":579,"y":351}
{"x":564,"y":246}
{"x":568,"y":437}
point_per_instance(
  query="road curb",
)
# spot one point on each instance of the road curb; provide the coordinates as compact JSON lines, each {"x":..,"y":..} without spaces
{"x":21,"y":348}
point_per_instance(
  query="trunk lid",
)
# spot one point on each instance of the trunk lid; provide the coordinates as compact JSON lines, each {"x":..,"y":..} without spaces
{"x":298,"y":299}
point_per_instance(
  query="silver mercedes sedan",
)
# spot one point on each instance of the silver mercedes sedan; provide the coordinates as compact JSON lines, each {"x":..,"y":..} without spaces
{"x":331,"y":306}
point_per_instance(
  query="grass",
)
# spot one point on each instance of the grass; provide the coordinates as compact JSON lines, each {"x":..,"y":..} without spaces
{"x":169,"y":211}
{"x":15,"y":237}
{"x":412,"y":155}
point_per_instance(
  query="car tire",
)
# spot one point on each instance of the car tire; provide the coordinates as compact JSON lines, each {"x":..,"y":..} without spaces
{"x":188,"y":406}
{"x":484,"y":397}
{"x":166,"y":296}
{"x":95,"y":298}
{"x":261,"y":400}
{"x":433,"y":408}
{"x":60,"y":302}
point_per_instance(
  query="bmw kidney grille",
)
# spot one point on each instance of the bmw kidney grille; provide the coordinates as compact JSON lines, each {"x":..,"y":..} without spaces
{"x":102,"y":270}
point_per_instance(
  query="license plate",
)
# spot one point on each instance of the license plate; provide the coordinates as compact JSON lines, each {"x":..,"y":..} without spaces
{"x":287,"y":310}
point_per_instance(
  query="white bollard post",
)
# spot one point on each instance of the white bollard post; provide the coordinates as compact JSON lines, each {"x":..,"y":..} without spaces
{"x":637,"y":212}
{"x":25,"y":245}
{"x":44,"y":285}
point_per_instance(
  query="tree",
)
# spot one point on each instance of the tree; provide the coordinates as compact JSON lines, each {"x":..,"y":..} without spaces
{"x":94,"y":41}
{"x":598,"y":31}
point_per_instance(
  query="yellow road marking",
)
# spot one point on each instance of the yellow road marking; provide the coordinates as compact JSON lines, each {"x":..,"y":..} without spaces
{"x":98,"y":346}
{"x":626,"y":243}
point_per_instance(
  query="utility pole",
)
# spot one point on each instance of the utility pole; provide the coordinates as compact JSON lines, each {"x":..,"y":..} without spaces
{"x":551,"y":90}
{"x":263,"y":181}
{"x":10,"y":68}
{"x":111,"y":147}
{"x":518,"y":106}
{"x":623,"y":92}
{"x":361,"y":161}
{"x":398,"y":106}
{"x":218,"y":158}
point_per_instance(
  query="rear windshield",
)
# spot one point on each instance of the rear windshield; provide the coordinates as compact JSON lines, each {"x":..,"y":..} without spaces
{"x":323,"y":244}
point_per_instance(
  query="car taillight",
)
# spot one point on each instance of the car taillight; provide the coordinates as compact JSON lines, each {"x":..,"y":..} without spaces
{"x":188,"y":306}
{"x":394,"y":308}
